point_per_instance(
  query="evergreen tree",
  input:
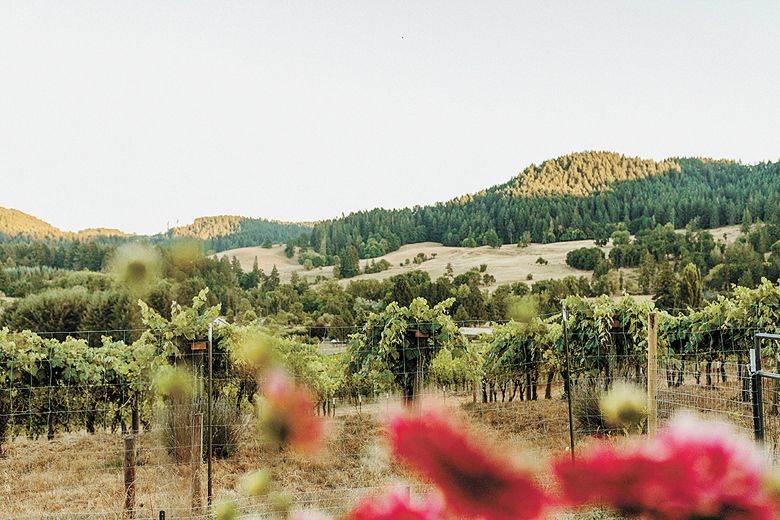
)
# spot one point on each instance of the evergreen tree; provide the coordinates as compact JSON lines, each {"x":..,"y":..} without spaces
{"x":4,"y":280}
{"x":690,"y":287}
{"x":646,"y":272}
{"x":665,"y":286}
{"x":402,"y":291}
{"x":350,"y":264}
{"x":273,"y":280}
{"x":235,"y":266}
{"x":747,"y":221}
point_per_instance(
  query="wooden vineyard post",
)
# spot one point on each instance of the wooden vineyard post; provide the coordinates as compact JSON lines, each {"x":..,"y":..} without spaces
{"x":196,"y":461}
{"x":129,"y":467}
{"x":652,"y":372}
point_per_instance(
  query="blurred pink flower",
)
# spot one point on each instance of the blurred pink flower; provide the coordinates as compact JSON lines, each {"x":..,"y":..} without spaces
{"x":396,"y":505}
{"x":309,"y":514}
{"x":475,"y":481}
{"x":287,"y":416}
{"x":692,"y":470}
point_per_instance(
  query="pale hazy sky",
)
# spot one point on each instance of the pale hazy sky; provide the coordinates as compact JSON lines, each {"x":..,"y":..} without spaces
{"x":136,"y":114}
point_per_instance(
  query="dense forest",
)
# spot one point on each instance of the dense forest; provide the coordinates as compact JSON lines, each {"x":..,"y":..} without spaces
{"x":217,"y":233}
{"x":63,"y":281}
{"x":84,"y":291}
{"x":578,"y":196}
{"x":229,"y":232}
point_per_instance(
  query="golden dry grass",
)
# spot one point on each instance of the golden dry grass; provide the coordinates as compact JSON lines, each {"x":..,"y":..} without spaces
{"x":508,"y":263}
{"x":82,"y":473}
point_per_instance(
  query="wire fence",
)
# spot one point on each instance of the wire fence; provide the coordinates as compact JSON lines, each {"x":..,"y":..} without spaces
{"x":65,"y":455}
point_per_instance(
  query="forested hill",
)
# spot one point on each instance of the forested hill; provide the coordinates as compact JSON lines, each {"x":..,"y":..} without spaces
{"x":219,"y":233}
{"x":16,"y":225}
{"x":229,"y":232}
{"x":577,"y":196}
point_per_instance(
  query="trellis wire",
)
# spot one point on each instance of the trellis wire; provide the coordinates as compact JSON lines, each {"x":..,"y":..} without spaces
{"x":539,"y":423}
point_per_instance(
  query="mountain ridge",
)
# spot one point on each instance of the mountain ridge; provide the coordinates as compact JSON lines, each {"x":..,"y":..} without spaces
{"x":568,"y":197}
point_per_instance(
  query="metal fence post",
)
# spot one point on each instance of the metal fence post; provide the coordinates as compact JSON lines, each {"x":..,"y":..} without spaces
{"x":757,"y":389}
{"x":209,"y":419}
{"x":652,"y":375}
{"x":567,"y":381}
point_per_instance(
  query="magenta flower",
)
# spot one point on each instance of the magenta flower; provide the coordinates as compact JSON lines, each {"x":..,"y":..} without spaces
{"x":287,"y":415}
{"x":396,"y":505}
{"x":475,"y":481}
{"x":692,"y":470}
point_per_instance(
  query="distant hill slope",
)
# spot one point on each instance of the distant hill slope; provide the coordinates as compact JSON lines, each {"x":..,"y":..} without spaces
{"x":508,"y":264}
{"x":584,"y":173}
{"x":219,"y":233}
{"x":579,"y":196}
{"x":17,"y":225}
{"x":573,"y":197}
{"x":229,"y":232}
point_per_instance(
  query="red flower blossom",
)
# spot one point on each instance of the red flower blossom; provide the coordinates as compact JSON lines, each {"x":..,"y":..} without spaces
{"x":691,"y":470}
{"x":396,"y":505}
{"x":287,"y":415}
{"x":475,"y":482}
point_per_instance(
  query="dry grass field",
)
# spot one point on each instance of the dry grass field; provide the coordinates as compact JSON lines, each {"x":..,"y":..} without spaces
{"x":508,"y":263}
{"x":82,"y":473}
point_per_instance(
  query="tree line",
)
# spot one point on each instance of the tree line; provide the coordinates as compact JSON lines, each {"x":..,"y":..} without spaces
{"x":578,"y":196}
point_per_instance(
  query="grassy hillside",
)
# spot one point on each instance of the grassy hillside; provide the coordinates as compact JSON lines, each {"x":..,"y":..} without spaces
{"x":15,"y":224}
{"x":507,"y":264}
{"x":580,"y":196}
{"x":574,"y":197}
{"x":219,"y":232}
{"x":228,"y":231}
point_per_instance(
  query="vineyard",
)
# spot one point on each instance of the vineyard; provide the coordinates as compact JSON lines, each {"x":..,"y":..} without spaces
{"x":67,"y":401}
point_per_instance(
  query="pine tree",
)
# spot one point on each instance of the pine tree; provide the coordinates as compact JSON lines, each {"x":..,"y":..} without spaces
{"x":350,"y":265}
{"x":690,"y":287}
{"x":5,"y":280}
{"x":402,"y":291}
{"x":273,"y":280}
{"x":235,"y":266}
{"x":646,"y":272}
{"x":665,"y":286}
{"x":747,"y":221}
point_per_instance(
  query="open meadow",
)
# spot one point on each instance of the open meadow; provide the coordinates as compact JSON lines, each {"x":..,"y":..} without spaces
{"x":508,"y":263}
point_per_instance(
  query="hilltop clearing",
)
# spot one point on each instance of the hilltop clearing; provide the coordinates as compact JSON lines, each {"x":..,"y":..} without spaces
{"x":507,"y":264}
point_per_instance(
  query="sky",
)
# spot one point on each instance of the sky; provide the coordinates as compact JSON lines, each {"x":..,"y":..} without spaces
{"x":142,"y":115}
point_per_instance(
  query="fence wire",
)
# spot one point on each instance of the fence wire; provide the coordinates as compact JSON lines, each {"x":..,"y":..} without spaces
{"x":64,"y":455}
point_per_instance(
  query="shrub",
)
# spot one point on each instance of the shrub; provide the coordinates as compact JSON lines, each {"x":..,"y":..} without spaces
{"x":228,"y":428}
{"x":585,"y":258}
{"x":377,"y":267}
{"x":420,"y":258}
{"x":587,"y":407}
{"x":587,"y":411}
{"x":177,"y":429}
